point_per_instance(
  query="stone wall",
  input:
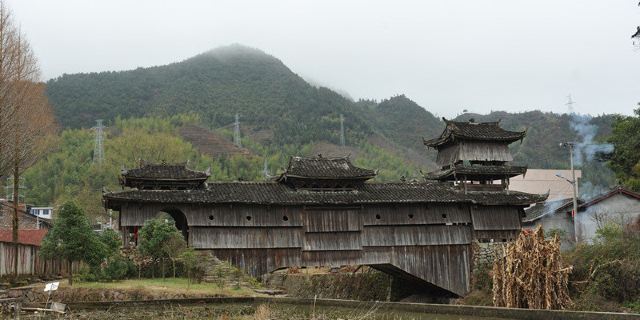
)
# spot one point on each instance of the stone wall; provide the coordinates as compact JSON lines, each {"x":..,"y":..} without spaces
{"x":370,"y":285}
{"x":484,"y":253}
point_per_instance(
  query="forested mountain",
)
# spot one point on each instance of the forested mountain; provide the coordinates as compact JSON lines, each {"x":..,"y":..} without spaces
{"x":216,"y":85}
{"x":281,"y":111}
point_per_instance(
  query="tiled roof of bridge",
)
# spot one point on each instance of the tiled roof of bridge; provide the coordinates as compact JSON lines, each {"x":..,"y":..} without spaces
{"x":164,"y":171}
{"x":486,"y":131}
{"x":495,"y":172}
{"x":325,"y":168}
{"x":277,"y":193}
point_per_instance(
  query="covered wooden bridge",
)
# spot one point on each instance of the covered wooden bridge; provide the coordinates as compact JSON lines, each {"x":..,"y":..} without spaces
{"x":322,"y":212}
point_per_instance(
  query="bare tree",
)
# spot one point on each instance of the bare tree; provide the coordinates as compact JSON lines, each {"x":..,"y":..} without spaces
{"x":25,"y":115}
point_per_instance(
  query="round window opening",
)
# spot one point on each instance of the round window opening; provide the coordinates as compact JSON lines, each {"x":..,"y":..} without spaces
{"x":378,"y":216}
{"x":410,"y":216}
{"x":248,"y":218}
{"x":211,"y":217}
{"x":285,"y":218}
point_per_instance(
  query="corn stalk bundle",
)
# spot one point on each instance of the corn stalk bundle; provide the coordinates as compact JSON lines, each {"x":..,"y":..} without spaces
{"x":531,"y":274}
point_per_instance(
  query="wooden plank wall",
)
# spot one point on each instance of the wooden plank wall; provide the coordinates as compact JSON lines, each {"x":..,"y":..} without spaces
{"x":473,"y":150}
{"x":248,"y":238}
{"x":30,"y":263}
{"x":484,"y":151}
{"x":428,"y":241}
{"x":447,"y":267}
{"x":497,"y":223}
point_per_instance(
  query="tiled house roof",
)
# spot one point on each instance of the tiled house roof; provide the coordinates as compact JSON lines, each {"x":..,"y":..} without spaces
{"x":617,"y":190}
{"x":485,"y":131}
{"x":549,"y":207}
{"x":26,"y":237}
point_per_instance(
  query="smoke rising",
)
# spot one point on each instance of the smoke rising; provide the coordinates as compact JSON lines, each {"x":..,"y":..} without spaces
{"x":586,"y":148}
{"x":550,"y":207}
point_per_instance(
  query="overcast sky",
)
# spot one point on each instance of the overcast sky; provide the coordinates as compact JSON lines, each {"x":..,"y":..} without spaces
{"x":446,"y":55}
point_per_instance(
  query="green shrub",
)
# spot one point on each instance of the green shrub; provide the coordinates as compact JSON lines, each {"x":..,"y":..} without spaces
{"x":118,"y":268}
{"x":619,"y":280}
{"x":478,"y":298}
{"x":606,"y":274}
{"x":194,"y":265}
{"x":482,"y":278}
{"x":87,"y":274}
{"x":633,"y":305}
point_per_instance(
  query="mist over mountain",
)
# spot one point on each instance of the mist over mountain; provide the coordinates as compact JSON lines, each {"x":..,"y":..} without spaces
{"x":278,"y":107}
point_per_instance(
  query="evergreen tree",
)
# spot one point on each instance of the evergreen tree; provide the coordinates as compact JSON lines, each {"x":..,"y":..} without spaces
{"x":625,"y":160}
{"x":159,"y":239}
{"x":72,"y":239}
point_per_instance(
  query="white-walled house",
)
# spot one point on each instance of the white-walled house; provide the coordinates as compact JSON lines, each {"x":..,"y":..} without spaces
{"x":42,"y":212}
{"x":619,"y":206}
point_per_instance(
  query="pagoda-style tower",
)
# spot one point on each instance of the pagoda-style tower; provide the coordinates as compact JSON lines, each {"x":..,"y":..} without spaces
{"x":475,"y":155}
{"x":150,"y":176}
{"x":324,"y":174}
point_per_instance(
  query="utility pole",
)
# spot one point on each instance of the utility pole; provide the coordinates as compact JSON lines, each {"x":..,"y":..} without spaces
{"x":236,"y":132}
{"x":342,"y":140}
{"x":98,"y":150}
{"x":574,"y":184}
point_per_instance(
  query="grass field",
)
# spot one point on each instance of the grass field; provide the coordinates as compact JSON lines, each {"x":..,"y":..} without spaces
{"x":177,"y":286}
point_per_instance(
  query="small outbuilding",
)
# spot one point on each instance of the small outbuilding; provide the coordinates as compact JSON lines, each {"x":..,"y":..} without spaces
{"x":619,"y":206}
